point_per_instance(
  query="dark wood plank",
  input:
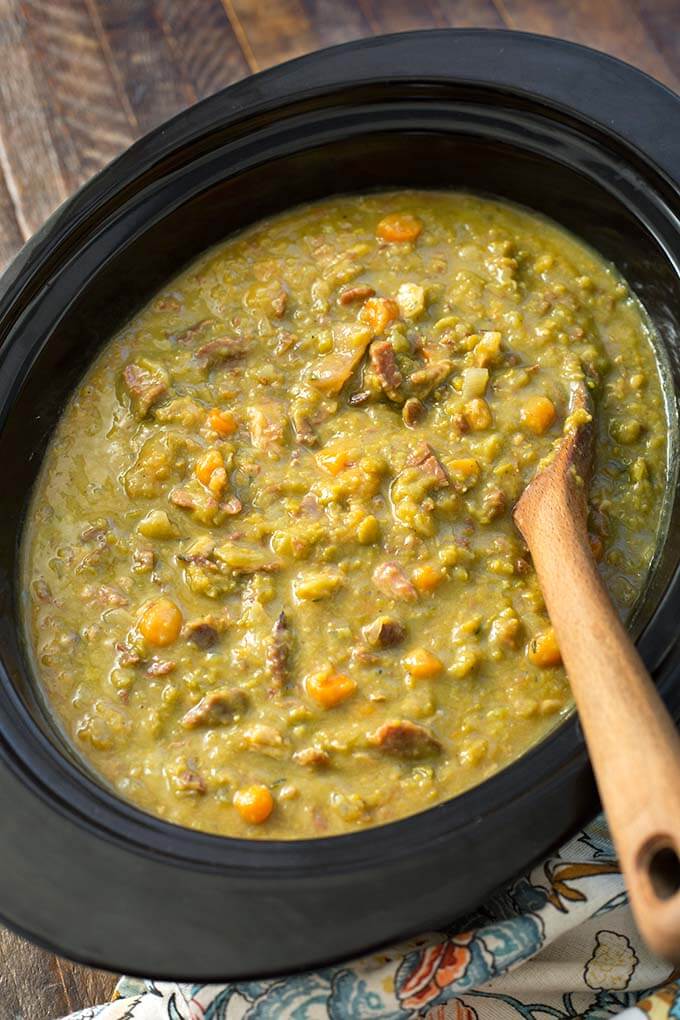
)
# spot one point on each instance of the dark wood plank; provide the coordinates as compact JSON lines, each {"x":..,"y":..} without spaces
{"x":90,"y":119}
{"x":661,"y":19}
{"x":35,"y":985}
{"x":270,"y":33}
{"x":154,"y":84}
{"x":409,"y":15}
{"x":27,"y":151}
{"x":10,"y":234}
{"x":202,"y":42}
{"x":606,"y":25}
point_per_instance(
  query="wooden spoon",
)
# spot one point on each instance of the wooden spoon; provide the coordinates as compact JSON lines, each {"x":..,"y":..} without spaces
{"x":634,"y":746}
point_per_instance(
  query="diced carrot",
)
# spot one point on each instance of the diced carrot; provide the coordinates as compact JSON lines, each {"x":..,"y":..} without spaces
{"x":208,"y":462}
{"x":329,"y":688}
{"x":543,"y":649}
{"x":254,"y":803}
{"x":399,"y":227}
{"x":333,"y":460}
{"x":222,"y":422}
{"x":427,"y":578}
{"x":422,"y":664}
{"x":538,"y":414}
{"x":596,"y":546}
{"x":477,"y":414}
{"x":378,"y":313}
{"x":464,"y":472}
{"x":161,"y":622}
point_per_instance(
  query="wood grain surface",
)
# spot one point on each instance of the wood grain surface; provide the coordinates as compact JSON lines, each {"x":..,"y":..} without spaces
{"x":80,"y":79}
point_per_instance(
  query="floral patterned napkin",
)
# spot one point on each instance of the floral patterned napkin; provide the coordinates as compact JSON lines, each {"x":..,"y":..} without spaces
{"x":558,"y":943}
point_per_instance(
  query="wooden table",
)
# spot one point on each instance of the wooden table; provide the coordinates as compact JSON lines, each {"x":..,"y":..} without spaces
{"x":81,"y":79}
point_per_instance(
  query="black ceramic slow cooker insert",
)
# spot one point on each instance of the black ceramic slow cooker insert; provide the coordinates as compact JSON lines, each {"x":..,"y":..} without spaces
{"x":574,"y":134}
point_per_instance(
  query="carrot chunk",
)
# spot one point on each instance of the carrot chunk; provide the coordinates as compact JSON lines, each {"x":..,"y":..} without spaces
{"x":254,"y":803}
{"x":207,"y":463}
{"x":329,"y":688}
{"x":427,"y":578}
{"x":422,"y":664}
{"x":538,"y":414}
{"x":543,"y":649}
{"x":222,"y":422}
{"x":399,"y":227}
{"x":378,"y":313}
{"x":161,"y":622}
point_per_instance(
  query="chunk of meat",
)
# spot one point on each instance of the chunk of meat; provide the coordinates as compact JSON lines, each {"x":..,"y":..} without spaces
{"x":266,"y":423}
{"x":424,"y":380}
{"x":127,"y":656}
{"x":315,"y":757}
{"x":493,"y":504}
{"x":143,"y":560}
{"x":304,"y":431}
{"x":279,"y":652}
{"x":412,"y":412}
{"x":384,"y":364}
{"x":95,"y":532}
{"x":405,"y":739}
{"x":231,"y":506}
{"x":385,"y":632}
{"x":144,"y":386}
{"x":217,"y":708}
{"x":160,"y":667}
{"x":204,"y":630}
{"x":183,"y":499}
{"x":360,"y":292}
{"x":261,"y":735}
{"x":359,"y":398}
{"x":190,"y":781}
{"x":105,"y":595}
{"x":279,"y":302}
{"x":224,"y":348}
{"x":426,"y":459}
{"x":191,"y":333}
{"x":390,"y":579}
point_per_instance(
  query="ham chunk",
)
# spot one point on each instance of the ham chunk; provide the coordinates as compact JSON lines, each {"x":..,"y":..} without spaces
{"x":426,"y":459}
{"x":224,"y":348}
{"x":146,"y":385}
{"x":278,"y":652}
{"x":384,"y":364}
{"x":384,"y":632}
{"x":390,"y":579}
{"x":424,"y":380}
{"x":330,"y":373}
{"x":314,"y":757}
{"x":348,"y":295}
{"x":216,"y":709}
{"x":266,"y":423}
{"x":404,"y":739}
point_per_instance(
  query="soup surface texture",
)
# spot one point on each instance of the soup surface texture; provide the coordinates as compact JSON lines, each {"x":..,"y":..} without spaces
{"x":273,"y":584}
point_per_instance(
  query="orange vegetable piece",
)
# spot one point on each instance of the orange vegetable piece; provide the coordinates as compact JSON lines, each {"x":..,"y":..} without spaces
{"x":254,"y":803}
{"x":207,"y":463}
{"x":329,"y":688}
{"x":161,"y":622}
{"x":333,"y":461}
{"x":538,"y":414}
{"x":543,"y":649}
{"x":222,"y":422}
{"x":422,"y":664}
{"x":399,"y":227}
{"x":427,"y":578}
{"x":378,"y":313}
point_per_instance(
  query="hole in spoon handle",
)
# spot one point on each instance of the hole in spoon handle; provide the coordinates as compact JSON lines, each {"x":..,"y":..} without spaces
{"x":661,"y":862}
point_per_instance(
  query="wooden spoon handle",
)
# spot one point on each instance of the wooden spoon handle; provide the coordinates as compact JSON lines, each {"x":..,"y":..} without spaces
{"x":634,"y":746}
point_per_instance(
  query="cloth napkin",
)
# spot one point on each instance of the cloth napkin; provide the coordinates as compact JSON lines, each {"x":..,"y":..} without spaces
{"x":557,"y":943}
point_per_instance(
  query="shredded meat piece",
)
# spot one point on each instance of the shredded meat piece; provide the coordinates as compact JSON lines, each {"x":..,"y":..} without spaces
{"x":493,"y":505}
{"x":385,"y":632}
{"x":278,"y":653}
{"x":160,"y":668}
{"x":412,"y":412}
{"x":182,"y":498}
{"x":232,"y":506}
{"x":191,"y":781}
{"x":385,"y":366}
{"x":390,"y":579}
{"x":145,"y":388}
{"x":105,"y":595}
{"x":359,"y":293}
{"x":187,"y":336}
{"x":279,"y":304}
{"x":404,"y":739}
{"x":266,"y":423}
{"x":426,"y":459}
{"x":126,"y":656}
{"x":313,"y":756}
{"x":143,"y":560}
{"x":216,"y":708}
{"x":223,"y":349}
{"x":95,"y":532}
{"x":201,"y":634}
{"x":461,"y":423}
